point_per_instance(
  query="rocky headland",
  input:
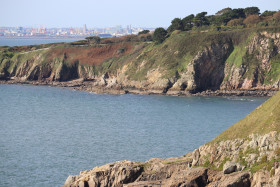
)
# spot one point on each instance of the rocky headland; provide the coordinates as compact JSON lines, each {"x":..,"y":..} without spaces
{"x":241,"y":62}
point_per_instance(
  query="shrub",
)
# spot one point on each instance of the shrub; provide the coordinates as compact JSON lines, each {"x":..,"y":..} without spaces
{"x":235,"y":22}
{"x":144,"y":32}
{"x":252,"y":20}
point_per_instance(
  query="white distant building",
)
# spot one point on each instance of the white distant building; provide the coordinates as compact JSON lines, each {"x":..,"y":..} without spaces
{"x":85,"y":29}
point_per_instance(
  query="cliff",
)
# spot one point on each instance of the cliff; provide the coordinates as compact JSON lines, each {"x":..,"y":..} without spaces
{"x":185,"y":63}
{"x":247,"y":154}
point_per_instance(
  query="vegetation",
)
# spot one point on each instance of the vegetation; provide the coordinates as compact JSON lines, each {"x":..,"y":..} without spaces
{"x":144,"y":32}
{"x":264,"y":119}
{"x":93,"y":39}
{"x":227,"y":17}
{"x":159,"y":35}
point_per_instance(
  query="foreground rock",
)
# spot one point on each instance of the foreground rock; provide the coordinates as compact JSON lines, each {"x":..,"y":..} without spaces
{"x":114,"y":174}
{"x":241,"y":162}
{"x":156,"y":172}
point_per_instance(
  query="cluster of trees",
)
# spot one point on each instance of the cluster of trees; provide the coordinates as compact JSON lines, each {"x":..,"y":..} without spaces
{"x":225,"y":17}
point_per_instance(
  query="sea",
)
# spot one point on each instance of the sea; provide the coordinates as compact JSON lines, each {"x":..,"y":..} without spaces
{"x":21,"y":41}
{"x":48,"y":133}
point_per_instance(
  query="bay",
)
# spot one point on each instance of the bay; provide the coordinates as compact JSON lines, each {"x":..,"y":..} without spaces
{"x":33,"y":41}
{"x":49,"y":133}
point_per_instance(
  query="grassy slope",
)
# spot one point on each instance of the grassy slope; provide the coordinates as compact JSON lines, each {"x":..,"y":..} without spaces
{"x":264,"y":119}
{"x":174,"y":54}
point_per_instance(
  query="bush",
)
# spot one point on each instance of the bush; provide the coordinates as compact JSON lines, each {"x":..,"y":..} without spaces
{"x":252,"y":20}
{"x":144,"y":32}
{"x":235,"y":22}
{"x":276,"y":17}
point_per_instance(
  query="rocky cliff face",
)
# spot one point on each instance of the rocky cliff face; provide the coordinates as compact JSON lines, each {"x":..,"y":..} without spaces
{"x":218,"y":62}
{"x":254,"y":69}
{"x":156,"y":172}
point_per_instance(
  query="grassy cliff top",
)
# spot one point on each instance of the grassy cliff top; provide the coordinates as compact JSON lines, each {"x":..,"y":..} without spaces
{"x":262,"y":120}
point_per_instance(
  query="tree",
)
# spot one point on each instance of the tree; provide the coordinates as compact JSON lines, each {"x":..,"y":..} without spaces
{"x":200,"y":19}
{"x":159,"y":35}
{"x":223,"y":11}
{"x":268,"y":13}
{"x":188,"y":22}
{"x":229,"y":15}
{"x":176,"y":24}
{"x":238,"y":13}
{"x":144,"y":32}
{"x":251,"y":11}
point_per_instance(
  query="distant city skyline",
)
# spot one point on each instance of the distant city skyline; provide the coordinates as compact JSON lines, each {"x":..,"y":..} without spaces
{"x":101,"y":14}
{"x":42,"y":31}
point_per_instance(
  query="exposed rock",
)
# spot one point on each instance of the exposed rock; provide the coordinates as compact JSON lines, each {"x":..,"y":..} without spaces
{"x":238,"y":179}
{"x":195,"y":157}
{"x":229,"y":167}
{"x":114,"y":174}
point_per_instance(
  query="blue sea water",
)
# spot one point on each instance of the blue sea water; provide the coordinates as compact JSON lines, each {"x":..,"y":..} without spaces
{"x":49,"y":133}
{"x":33,"y":41}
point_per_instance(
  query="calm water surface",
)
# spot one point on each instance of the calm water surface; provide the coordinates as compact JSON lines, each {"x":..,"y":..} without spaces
{"x":33,"y":41}
{"x":49,"y":133}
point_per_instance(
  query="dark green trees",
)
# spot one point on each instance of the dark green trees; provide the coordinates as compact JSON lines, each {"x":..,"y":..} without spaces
{"x":200,"y":19}
{"x":159,"y":35}
{"x":176,"y":24}
{"x":144,"y":32}
{"x":268,"y":13}
{"x":251,"y":11}
{"x":188,"y":22}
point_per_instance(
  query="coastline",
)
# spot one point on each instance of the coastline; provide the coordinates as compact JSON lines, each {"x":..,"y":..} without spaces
{"x":89,"y":86}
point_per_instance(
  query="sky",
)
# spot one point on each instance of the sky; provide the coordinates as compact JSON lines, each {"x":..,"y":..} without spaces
{"x":109,"y":13}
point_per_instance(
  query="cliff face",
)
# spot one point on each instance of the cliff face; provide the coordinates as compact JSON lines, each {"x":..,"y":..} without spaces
{"x":185,"y":63}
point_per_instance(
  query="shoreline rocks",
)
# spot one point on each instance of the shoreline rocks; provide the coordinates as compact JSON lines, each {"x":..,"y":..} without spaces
{"x":81,"y":84}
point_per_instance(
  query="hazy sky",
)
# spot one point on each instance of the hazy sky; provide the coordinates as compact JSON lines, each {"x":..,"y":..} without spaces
{"x":105,"y":13}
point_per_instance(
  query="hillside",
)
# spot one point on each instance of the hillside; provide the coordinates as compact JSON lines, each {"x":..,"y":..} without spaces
{"x":187,"y":62}
{"x":265,"y":119}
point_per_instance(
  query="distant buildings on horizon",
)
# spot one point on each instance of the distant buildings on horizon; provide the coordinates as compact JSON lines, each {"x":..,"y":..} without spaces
{"x":69,"y":32}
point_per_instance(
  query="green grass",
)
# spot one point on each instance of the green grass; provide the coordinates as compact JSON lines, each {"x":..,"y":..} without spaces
{"x":264,"y":119}
{"x":223,"y":163}
{"x":237,"y":55}
{"x":274,"y":73}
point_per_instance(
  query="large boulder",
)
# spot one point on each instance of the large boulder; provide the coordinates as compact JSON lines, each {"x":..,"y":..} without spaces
{"x":229,"y":167}
{"x":237,"y":179}
{"x":113,"y":175}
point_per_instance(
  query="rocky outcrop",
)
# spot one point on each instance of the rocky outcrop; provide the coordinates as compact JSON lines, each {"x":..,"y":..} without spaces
{"x":253,"y":68}
{"x":115,"y":174}
{"x":156,"y":172}
{"x":259,"y":154}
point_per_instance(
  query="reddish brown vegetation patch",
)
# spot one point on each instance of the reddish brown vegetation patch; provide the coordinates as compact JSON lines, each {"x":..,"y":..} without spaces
{"x":91,"y":55}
